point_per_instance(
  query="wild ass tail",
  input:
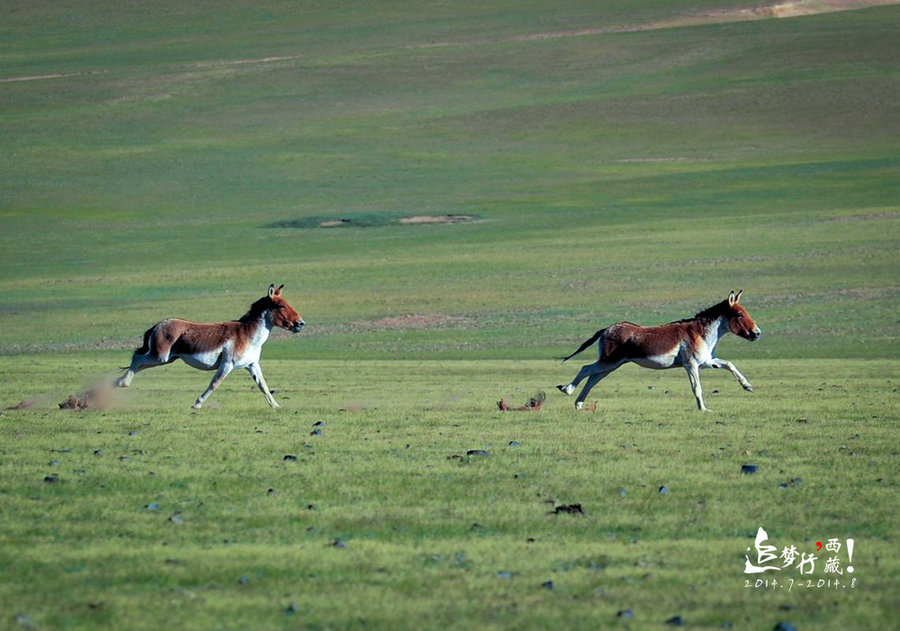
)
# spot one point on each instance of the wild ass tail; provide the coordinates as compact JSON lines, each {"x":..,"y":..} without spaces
{"x":596,"y":336}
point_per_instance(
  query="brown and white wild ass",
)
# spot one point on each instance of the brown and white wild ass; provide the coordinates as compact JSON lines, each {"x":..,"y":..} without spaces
{"x":222,"y":346}
{"x":689,"y":343}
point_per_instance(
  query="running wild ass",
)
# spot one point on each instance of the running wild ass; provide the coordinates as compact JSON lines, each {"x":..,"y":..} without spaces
{"x":690,"y":344}
{"x":222,"y":346}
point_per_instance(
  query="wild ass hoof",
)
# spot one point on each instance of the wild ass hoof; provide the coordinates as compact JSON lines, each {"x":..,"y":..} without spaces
{"x":197,"y":405}
{"x":274,"y":404}
{"x":579,"y":405}
{"x":747,"y":387}
{"x":566,"y":389}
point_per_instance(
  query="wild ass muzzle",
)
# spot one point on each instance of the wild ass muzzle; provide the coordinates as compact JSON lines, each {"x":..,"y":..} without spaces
{"x":222,"y":346}
{"x":690,"y":344}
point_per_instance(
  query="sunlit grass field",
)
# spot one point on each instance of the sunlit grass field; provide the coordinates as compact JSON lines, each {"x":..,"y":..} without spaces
{"x":620,"y":161}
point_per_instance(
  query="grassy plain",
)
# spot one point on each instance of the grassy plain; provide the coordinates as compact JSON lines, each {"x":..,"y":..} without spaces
{"x":151,"y":157}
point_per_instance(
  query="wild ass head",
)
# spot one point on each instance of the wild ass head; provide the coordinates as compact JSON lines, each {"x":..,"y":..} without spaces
{"x":739,"y":321}
{"x":282,"y":314}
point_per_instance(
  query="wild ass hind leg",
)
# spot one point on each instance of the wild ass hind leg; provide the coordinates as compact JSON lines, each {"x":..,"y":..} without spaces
{"x":586,"y":371}
{"x":256,"y":372}
{"x":221,"y":372}
{"x":595,"y":377}
{"x":693,"y":373}
{"x":141,"y":362}
{"x":727,"y":365}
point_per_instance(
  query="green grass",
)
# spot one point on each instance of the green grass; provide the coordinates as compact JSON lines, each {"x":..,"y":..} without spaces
{"x":428,"y":535}
{"x":166,"y":160}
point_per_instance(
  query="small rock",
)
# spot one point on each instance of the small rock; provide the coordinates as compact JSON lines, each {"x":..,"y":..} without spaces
{"x":339,"y":543}
{"x":290,"y":457}
{"x":98,"y":452}
{"x":784,"y":626}
{"x":24,"y":621}
{"x":176,"y":518}
{"x":624,"y":613}
{"x":505,"y":574}
{"x":291,"y":609}
{"x":319,"y":424}
{"x":663,"y":489}
{"x":133,"y":433}
{"x":52,"y":478}
{"x":244,"y":580}
{"x":547,"y":584}
{"x":675,"y":621}
{"x":749,"y":469}
{"x":515,"y":443}
{"x":270,"y":491}
{"x":152,"y":507}
{"x":623,"y":492}
{"x":478,"y":452}
{"x":53,"y":463}
{"x":316,"y":432}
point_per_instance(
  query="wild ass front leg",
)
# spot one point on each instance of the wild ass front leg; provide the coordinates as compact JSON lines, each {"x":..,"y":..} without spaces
{"x":693,"y":371}
{"x":727,"y":365}
{"x":256,"y":372}
{"x":221,"y":373}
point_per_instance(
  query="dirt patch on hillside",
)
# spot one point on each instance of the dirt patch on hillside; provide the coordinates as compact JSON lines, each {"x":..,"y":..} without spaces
{"x":788,"y":9}
{"x":420,"y":219}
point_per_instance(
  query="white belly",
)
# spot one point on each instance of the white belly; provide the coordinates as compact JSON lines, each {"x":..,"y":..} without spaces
{"x":208,"y":360}
{"x":659,"y":362}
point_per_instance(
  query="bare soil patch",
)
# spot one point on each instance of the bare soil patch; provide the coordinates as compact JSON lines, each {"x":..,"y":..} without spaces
{"x":420,"y":219}
{"x":787,"y":9}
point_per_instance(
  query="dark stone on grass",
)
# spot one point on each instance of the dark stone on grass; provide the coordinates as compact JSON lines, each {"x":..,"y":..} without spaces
{"x":572,"y":509}
{"x":505,"y":574}
{"x":749,"y":469}
{"x":176,"y":518}
{"x":244,"y":580}
{"x":784,"y":626}
{"x":319,"y":424}
{"x":291,"y":609}
{"x":478,"y":452}
{"x":316,"y":432}
{"x":547,"y":584}
{"x":152,"y":507}
{"x":53,"y":478}
{"x":290,"y":457}
{"x":98,"y":452}
{"x":663,"y":489}
{"x":24,"y":621}
{"x":339,"y":543}
{"x":133,"y":433}
{"x":53,"y":463}
{"x":675,"y":621}
{"x":624,"y":613}
{"x":515,"y":443}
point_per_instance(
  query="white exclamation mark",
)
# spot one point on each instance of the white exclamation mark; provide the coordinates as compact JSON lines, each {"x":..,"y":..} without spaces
{"x":849,"y":555}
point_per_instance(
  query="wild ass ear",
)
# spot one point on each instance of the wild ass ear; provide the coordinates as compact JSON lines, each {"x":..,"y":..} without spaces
{"x":271,"y":291}
{"x":278,"y":291}
{"x":731,"y":299}
{"x":738,"y":297}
